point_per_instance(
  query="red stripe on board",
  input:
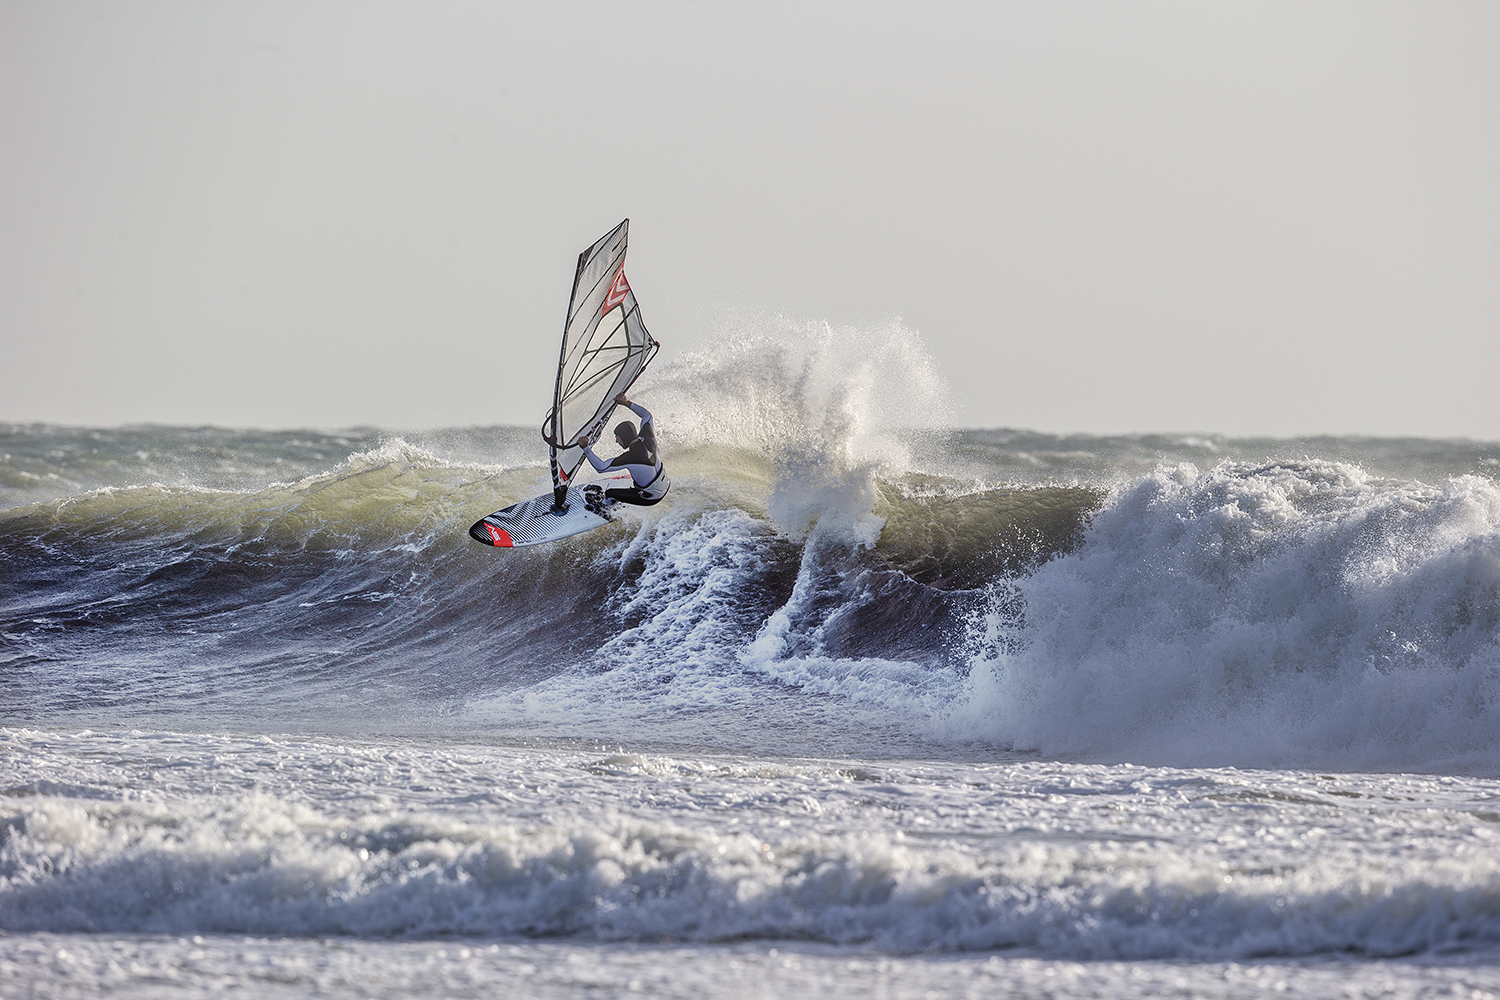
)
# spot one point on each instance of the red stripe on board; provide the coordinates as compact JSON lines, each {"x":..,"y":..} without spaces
{"x":500,"y":535}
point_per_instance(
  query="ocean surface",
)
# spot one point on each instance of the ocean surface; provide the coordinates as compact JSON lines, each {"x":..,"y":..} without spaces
{"x":870,"y":706}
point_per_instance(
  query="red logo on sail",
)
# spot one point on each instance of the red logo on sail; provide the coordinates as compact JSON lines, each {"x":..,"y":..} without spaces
{"x":618,"y":289}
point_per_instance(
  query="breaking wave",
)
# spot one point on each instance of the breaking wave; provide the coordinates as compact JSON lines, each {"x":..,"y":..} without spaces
{"x":823,"y":576}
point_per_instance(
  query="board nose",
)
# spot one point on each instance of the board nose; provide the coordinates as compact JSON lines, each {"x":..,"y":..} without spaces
{"x":484,"y":531}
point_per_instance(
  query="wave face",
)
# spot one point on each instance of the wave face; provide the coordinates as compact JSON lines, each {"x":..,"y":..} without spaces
{"x":828,"y":576}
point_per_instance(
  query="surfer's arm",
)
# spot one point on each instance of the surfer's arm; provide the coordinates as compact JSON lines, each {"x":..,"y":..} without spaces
{"x":598,"y":463}
{"x":638,"y":410}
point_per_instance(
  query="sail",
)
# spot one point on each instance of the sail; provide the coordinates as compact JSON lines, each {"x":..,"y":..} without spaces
{"x":605,"y":347}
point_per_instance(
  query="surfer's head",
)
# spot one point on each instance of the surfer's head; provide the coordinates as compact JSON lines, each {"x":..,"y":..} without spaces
{"x":625,"y":433}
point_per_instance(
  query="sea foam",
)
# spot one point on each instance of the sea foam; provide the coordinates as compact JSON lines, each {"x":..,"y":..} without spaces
{"x":307,"y":838}
{"x":1262,"y":614}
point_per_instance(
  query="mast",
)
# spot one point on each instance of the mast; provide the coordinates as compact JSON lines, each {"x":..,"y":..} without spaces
{"x":559,"y":487}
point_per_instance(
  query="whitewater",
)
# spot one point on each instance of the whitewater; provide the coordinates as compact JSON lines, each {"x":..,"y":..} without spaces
{"x":869,"y":706}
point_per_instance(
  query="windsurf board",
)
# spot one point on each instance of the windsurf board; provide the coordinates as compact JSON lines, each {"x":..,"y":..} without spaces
{"x":534,"y":521}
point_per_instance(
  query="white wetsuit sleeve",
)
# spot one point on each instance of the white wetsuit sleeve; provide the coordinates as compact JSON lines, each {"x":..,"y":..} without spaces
{"x":598,"y":463}
{"x":641,"y":412}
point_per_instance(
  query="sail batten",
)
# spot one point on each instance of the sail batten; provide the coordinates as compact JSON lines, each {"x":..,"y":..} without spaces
{"x":605,"y":348}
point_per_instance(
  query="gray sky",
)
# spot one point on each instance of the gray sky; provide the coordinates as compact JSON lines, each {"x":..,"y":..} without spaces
{"x":1250,"y":218}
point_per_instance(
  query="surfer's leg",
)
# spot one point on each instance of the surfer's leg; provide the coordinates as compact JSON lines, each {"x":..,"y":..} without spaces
{"x":643,"y":496}
{"x":633,"y":495}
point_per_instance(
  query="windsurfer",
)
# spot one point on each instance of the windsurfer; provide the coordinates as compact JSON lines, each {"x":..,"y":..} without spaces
{"x":649,"y":482}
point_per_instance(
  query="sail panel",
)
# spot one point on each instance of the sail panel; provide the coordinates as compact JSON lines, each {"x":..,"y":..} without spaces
{"x":605,"y":348}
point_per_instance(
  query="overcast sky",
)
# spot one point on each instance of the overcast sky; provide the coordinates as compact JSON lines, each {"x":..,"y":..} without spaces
{"x":1248,"y":218}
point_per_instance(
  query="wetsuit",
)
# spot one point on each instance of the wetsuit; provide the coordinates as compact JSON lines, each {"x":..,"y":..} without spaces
{"x":648,"y":476}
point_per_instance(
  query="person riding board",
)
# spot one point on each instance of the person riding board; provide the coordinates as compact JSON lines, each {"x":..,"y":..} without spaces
{"x":649,"y":482}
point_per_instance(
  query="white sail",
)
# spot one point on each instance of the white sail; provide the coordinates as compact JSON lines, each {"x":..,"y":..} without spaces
{"x":605,"y":347}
